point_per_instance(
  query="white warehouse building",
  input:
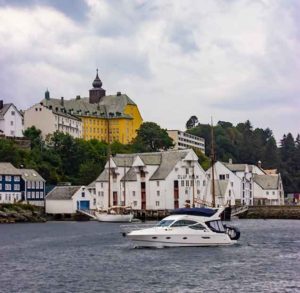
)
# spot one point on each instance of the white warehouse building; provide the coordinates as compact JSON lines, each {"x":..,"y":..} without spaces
{"x":152,"y":181}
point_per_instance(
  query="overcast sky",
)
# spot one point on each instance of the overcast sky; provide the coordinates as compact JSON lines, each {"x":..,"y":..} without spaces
{"x":232,"y":59}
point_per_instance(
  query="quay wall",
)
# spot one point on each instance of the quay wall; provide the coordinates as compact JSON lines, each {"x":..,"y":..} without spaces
{"x":272,"y":212}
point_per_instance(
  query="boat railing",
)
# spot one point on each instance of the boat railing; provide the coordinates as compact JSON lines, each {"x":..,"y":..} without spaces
{"x":134,"y":227}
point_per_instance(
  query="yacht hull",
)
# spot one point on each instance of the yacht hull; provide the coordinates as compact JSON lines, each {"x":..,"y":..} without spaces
{"x":179,"y":240}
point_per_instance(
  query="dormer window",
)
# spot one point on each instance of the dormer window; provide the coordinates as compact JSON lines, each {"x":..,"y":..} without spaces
{"x":142,"y":173}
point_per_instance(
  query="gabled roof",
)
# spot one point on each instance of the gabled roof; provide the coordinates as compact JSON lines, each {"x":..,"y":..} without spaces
{"x":31,"y":175}
{"x":9,"y":169}
{"x":5,"y":109}
{"x":165,"y":162}
{"x":62,"y":192}
{"x":266,"y":181}
{"x":235,"y":167}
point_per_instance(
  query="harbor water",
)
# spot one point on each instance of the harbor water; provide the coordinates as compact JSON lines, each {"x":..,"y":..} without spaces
{"x":94,"y":257}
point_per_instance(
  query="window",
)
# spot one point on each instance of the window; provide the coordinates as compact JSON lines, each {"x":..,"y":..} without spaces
{"x":227,"y":176}
{"x":17,"y":187}
{"x":101,"y":184}
{"x":11,"y":123}
{"x":216,"y":226}
{"x":197,"y":227}
{"x":273,"y":192}
{"x":187,"y":171}
{"x":231,"y":183}
{"x":204,"y":182}
{"x":7,"y":178}
{"x":222,"y":177}
{"x":17,"y":178}
{"x":187,"y":182}
{"x":83,"y":194}
{"x":157,"y":183}
{"x":7,"y":186}
{"x":29,"y":194}
{"x":135,"y":203}
{"x":0,"y":177}
{"x":157,"y":203}
{"x":186,"y":191}
{"x":133,"y":193}
{"x":229,"y":192}
{"x":182,"y":223}
{"x":94,"y":201}
{"x":165,"y":223}
{"x":13,"y":113}
{"x":267,"y":193}
{"x":182,"y":182}
{"x":158,"y":193}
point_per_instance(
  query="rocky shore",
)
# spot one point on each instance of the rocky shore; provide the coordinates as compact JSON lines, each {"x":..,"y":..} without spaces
{"x":21,"y":213}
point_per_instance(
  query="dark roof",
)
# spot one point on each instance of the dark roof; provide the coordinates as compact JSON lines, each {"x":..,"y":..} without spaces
{"x":62,"y":192}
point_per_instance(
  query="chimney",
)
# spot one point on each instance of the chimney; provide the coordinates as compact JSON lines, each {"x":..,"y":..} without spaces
{"x":230,"y":161}
{"x":259,"y":164}
{"x":78,"y":97}
{"x":119,"y":93}
{"x":1,"y":104}
{"x":62,"y":101}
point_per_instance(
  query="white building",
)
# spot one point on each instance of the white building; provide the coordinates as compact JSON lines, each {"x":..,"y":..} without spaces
{"x":152,"y":181}
{"x":49,"y":120}
{"x":185,"y":140}
{"x":268,"y":189}
{"x":68,"y":199}
{"x":11,"y":120}
{"x":248,"y":184}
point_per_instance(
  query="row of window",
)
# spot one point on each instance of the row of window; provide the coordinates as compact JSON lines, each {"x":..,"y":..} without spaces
{"x":9,"y":197}
{"x":32,"y":194}
{"x":8,"y":187}
{"x":8,"y":178}
{"x":35,"y":184}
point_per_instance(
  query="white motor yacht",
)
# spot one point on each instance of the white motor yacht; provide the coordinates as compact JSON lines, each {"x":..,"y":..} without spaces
{"x":187,"y":227}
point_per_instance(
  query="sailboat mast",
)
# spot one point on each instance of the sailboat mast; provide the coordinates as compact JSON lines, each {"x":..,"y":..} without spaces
{"x":109,"y":155}
{"x":212,"y":156}
{"x":125,"y":182}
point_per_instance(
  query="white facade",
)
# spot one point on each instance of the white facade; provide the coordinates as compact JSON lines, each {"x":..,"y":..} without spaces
{"x":185,"y":140}
{"x":68,"y":203}
{"x":243,"y":188}
{"x":11,"y":121}
{"x":148,"y":185}
{"x":49,"y":120}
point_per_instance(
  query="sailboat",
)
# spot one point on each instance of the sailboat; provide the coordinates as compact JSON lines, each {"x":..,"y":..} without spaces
{"x":117,"y":214}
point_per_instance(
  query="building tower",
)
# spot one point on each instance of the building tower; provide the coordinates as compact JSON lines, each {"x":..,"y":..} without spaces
{"x":97,"y":92}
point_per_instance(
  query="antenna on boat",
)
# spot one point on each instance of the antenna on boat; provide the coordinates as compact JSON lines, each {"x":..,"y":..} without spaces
{"x":212,"y":158}
{"x":125,"y":181}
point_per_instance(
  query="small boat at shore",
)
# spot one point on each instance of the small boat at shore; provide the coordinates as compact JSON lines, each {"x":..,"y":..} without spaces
{"x":118,"y":214}
{"x":187,"y":227}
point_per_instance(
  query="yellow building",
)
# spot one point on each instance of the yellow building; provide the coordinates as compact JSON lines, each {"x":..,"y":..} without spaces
{"x":112,"y":117}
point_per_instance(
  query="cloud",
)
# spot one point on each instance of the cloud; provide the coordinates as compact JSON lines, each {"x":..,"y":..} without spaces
{"x":235,"y":60}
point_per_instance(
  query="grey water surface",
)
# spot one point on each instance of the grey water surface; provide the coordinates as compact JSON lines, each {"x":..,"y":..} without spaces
{"x":94,"y":257}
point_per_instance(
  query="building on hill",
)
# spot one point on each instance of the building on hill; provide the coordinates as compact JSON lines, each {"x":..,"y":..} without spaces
{"x":49,"y":120}
{"x":104,"y":117}
{"x":183,"y":140}
{"x":152,"y":181}
{"x":10,"y":183}
{"x":11,"y":120}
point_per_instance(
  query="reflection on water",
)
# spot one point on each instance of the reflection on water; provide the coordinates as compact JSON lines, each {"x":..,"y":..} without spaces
{"x":94,"y":257}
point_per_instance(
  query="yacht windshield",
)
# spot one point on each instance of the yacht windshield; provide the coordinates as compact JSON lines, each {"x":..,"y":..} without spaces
{"x":165,"y":223}
{"x":182,"y":223}
{"x":216,"y":226}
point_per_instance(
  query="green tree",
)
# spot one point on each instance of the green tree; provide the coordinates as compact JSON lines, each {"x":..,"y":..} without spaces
{"x":151,"y":138}
{"x":192,"y":122}
{"x":35,"y":136}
